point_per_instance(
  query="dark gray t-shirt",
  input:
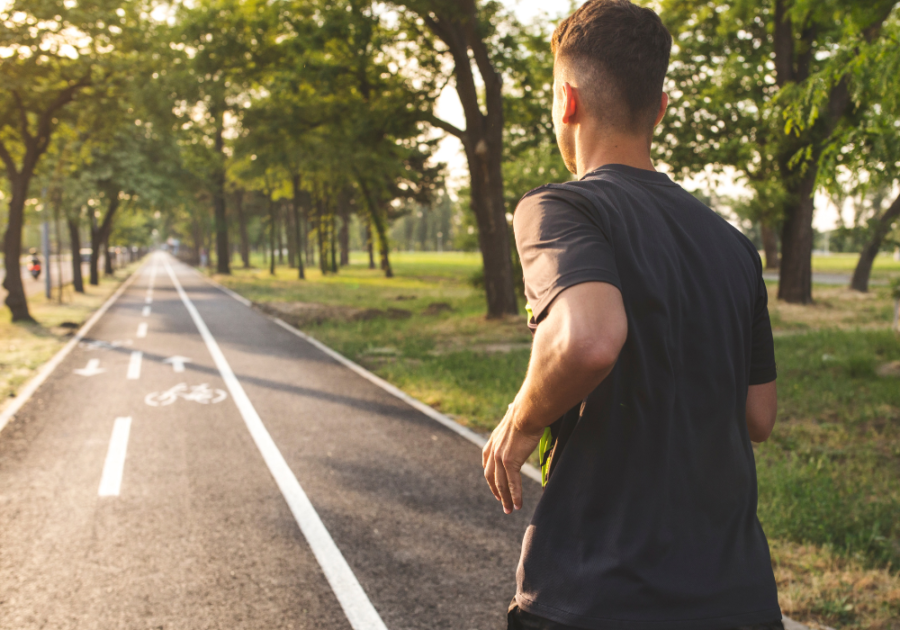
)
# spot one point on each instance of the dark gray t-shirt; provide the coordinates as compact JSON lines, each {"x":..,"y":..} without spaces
{"x":648,"y":520}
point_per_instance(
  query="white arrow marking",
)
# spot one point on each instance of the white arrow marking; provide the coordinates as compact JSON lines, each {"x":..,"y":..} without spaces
{"x":134,"y":365}
{"x":93,"y":368}
{"x":142,"y":330}
{"x":177,"y":362}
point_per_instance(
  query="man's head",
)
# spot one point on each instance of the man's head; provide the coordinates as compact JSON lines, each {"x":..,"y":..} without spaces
{"x":611,"y":59}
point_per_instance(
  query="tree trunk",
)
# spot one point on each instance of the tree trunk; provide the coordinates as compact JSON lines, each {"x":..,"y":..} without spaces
{"x":242,"y":228}
{"x":222,"y":257}
{"x":108,"y":269}
{"x":377,"y":220}
{"x":279,"y":235}
{"x":795,"y":279}
{"x":291,"y":233}
{"x":370,"y":245}
{"x":273,"y":225}
{"x":483,"y":142}
{"x":100,"y":235}
{"x":860,"y":281}
{"x":298,"y":234}
{"x":320,"y":232}
{"x":12,"y":249}
{"x":770,"y":245}
{"x":344,"y":234}
{"x":333,"y":233}
{"x":75,"y":243}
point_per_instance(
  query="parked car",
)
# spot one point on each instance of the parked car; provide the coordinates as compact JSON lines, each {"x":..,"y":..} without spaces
{"x":85,"y":253}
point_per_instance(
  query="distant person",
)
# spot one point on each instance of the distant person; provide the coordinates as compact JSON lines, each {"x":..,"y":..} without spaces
{"x":34,"y":265}
{"x":652,"y":369}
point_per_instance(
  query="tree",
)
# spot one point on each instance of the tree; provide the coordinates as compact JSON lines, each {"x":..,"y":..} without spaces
{"x":56,"y":50}
{"x":735,"y":68}
{"x":465,"y":31}
{"x":863,"y":152}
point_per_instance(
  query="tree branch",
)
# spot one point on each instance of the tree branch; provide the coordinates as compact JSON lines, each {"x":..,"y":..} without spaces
{"x":23,"y":119}
{"x":453,"y":130}
{"x":9,"y":162}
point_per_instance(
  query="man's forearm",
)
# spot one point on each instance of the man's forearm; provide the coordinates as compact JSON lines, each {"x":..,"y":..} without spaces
{"x":558,"y":378}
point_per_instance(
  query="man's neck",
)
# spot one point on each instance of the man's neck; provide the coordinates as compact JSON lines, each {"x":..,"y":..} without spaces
{"x":617,"y":149}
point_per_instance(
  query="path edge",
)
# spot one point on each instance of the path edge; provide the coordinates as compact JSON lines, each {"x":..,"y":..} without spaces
{"x":528,"y":470}
{"x":27,"y":391}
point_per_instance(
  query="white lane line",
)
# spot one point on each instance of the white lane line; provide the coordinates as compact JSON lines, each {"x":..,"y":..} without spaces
{"x":528,"y":470}
{"x":149,"y":298}
{"x":25,"y":394}
{"x":145,"y":312}
{"x":142,"y":330}
{"x":111,"y":481}
{"x":134,"y":365}
{"x":353,"y":599}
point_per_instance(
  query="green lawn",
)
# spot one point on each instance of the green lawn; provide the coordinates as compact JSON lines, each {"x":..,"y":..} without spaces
{"x":829,"y":477}
{"x":885,"y":265}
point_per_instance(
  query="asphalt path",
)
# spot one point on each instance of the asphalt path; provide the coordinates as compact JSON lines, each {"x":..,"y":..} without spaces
{"x":194,"y":464}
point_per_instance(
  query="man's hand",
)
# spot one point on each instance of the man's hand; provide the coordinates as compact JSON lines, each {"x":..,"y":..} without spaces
{"x":575,"y":347}
{"x":503,"y":456}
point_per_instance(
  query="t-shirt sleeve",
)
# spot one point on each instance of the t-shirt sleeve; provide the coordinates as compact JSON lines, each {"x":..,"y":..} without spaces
{"x":762,"y":358}
{"x":561,"y":243}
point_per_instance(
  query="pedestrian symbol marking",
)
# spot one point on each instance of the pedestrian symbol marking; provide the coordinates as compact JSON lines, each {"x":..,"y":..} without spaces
{"x":91,"y":369}
{"x":202,"y":394}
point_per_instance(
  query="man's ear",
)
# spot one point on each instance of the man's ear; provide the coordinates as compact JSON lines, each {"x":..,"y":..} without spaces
{"x":570,"y":103}
{"x":663,"y":104}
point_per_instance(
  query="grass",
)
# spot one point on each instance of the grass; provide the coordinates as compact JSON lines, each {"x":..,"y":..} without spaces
{"x":885,"y":265}
{"x":829,"y":477}
{"x":26,"y":346}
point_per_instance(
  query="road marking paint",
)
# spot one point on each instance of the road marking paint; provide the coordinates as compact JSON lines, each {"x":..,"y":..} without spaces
{"x":25,"y":394}
{"x":111,"y":480}
{"x":528,"y":470}
{"x":134,"y":365}
{"x":353,"y":599}
{"x":145,"y":312}
{"x":177,"y":362}
{"x":91,"y":369}
{"x":142,"y":330}
{"x":149,"y":298}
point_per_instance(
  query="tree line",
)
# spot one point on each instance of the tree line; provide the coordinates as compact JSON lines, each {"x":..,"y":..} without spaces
{"x":303,"y":113}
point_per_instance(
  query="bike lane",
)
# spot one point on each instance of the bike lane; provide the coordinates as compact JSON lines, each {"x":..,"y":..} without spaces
{"x":198,"y":535}
{"x":403,"y":497}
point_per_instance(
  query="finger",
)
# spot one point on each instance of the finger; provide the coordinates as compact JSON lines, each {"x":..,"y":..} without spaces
{"x":515,"y":486}
{"x":485,"y":452}
{"x":502,"y":484}
{"x":489,"y":476}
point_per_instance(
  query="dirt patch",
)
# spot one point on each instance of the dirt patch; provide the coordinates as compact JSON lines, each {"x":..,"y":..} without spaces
{"x":834,"y":308}
{"x":436,"y":308}
{"x":891,"y":369}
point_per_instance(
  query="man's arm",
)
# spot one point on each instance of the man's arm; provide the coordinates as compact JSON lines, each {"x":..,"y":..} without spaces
{"x":575,"y":347}
{"x":762,"y":405}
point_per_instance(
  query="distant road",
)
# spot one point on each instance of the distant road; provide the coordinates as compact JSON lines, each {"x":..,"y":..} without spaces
{"x":195,"y":464}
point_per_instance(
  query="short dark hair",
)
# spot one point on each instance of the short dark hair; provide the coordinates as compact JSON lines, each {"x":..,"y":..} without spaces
{"x":620,"y":51}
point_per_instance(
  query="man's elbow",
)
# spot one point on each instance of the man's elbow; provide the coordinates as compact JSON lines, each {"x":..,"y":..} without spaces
{"x":760,"y":430}
{"x":594,"y":356}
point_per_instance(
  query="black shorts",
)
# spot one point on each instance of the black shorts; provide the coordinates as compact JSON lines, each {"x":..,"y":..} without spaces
{"x":519,"y":619}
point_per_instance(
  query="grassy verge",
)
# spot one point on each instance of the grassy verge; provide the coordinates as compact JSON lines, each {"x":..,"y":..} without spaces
{"x":884,"y":267}
{"x":25,"y":347}
{"x":829,"y":477}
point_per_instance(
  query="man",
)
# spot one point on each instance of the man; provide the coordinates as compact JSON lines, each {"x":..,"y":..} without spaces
{"x":653,"y":367}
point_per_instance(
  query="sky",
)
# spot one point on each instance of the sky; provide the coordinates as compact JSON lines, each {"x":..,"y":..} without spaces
{"x":451,"y":153}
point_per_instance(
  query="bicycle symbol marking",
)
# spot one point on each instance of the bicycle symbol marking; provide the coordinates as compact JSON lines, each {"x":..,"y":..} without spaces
{"x":197,"y":393}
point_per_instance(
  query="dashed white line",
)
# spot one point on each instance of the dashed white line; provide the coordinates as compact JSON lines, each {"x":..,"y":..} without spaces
{"x":353,"y":599}
{"x":149,"y":298}
{"x":134,"y":365}
{"x":145,"y":312}
{"x":142,"y":330}
{"x":111,"y":481}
